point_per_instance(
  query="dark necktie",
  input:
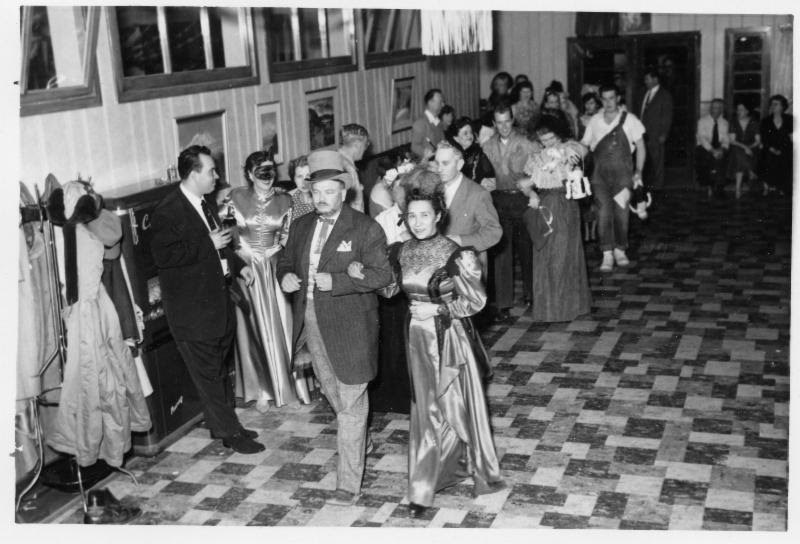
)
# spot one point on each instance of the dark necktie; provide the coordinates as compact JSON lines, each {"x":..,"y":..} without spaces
{"x":715,"y":136}
{"x":323,"y":233}
{"x":210,"y":219}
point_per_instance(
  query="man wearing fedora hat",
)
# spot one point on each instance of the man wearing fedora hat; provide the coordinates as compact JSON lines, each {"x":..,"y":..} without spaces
{"x":336,"y":315}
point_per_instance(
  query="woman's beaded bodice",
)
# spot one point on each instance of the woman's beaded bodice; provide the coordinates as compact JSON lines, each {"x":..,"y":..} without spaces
{"x":420,"y":260}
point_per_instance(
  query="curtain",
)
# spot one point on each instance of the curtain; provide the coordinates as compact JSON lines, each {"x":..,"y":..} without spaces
{"x":595,"y":23}
{"x":449,"y":32}
{"x":782,"y":80}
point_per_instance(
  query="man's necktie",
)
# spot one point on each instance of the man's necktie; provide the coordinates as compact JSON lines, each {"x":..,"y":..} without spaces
{"x":210,"y":219}
{"x":715,"y":136}
{"x":646,"y":101}
{"x":323,"y":233}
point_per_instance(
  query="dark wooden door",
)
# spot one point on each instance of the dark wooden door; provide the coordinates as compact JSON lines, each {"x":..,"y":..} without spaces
{"x":676,"y":56}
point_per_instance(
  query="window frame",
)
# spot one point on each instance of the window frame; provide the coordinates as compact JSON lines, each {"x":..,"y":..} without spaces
{"x":67,"y":98}
{"x":145,"y":87}
{"x":731,"y":34}
{"x":378,"y":59}
{"x":300,"y":69}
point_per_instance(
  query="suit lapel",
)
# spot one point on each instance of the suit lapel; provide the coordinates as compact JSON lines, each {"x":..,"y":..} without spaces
{"x":459,"y":202}
{"x":306,"y":235}
{"x":340,"y":230}
{"x":198,"y":222}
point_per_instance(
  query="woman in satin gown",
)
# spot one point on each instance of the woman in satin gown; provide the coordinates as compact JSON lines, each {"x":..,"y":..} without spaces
{"x":264,"y":318}
{"x":450,"y":437}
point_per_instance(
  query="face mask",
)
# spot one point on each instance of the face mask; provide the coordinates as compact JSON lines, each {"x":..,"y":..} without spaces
{"x":264,"y":172}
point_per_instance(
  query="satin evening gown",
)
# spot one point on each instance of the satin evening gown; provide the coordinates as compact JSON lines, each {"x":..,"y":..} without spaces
{"x":450,"y":437}
{"x":264,"y":323}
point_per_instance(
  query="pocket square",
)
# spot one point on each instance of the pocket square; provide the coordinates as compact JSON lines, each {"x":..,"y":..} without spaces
{"x":345,"y":246}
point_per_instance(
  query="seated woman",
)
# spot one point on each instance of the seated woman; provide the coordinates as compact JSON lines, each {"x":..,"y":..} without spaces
{"x":263,"y":335}
{"x":477,"y":166}
{"x":745,"y":141}
{"x":560,"y":283}
{"x":776,"y":136}
{"x":450,"y":436}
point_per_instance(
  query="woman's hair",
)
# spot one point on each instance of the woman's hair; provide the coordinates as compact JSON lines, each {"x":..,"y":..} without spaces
{"x":782,"y":99}
{"x":457,"y":125}
{"x":252,"y":162}
{"x":435,"y":197}
{"x":296,"y":163}
{"x":593,"y":97}
{"x":550,"y":124}
{"x":447,"y":108}
{"x":518,"y":87}
{"x":550,"y":92}
{"x":556,"y":86}
{"x":743,"y":102}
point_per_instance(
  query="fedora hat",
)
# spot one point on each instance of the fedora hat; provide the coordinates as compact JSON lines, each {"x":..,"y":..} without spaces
{"x":327,"y":164}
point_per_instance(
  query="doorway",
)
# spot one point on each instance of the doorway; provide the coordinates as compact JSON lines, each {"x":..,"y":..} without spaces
{"x":623,"y":60}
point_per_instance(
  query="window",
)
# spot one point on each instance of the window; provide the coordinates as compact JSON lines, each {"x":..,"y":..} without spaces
{"x":747,"y":68}
{"x":305,"y":42}
{"x":167,"y":51}
{"x":59,"y":66}
{"x":391,"y":36}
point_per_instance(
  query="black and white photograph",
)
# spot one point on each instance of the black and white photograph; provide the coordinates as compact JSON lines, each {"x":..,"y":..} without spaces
{"x":514,"y":268}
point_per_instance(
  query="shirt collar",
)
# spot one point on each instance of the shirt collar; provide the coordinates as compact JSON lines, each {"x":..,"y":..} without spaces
{"x":432,"y":118}
{"x":193,"y":198}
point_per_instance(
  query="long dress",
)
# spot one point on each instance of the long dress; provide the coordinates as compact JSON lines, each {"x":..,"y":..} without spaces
{"x":560,"y":281}
{"x":777,"y":169}
{"x":264,"y":322}
{"x":450,"y":437}
{"x":739,"y":161}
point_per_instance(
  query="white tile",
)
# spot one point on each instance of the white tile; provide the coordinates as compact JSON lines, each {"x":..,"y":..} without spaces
{"x":769,"y":522}
{"x":318,"y":456}
{"x":541,"y":413}
{"x":335,"y":516}
{"x":447,"y":515}
{"x":576,"y":450}
{"x":506,"y":521}
{"x":631,"y":394}
{"x":728,"y":499}
{"x":665,"y":383}
{"x":749,"y":391}
{"x":767,"y":430}
{"x":548,"y":476}
{"x":493,"y":502}
{"x":763,"y":467}
{"x":392,"y":463}
{"x":686,"y":517}
{"x":198,"y":471}
{"x":196,"y":517}
{"x":578,"y":505}
{"x":271,"y":496}
{"x":722,"y":368}
{"x":692,"y":472}
{"x":706,"y":404}
{"x":605,"y":344}
{"x":615,"y":440}
{"x":639,"y":485}
{"x":212,"y":491}
{"x":189,"y":444}
{"x":384,"y":512}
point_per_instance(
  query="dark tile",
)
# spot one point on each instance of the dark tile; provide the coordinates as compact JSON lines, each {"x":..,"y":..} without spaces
{"x":536,"y":494}
{"x":705,"y":454}
{"x":591,"y":469}
{"x":707,"y":425}
{"x":398,"y":436}
{"x":236,"y":469}
{"x":597,"y":403}
{"x":644,"y":428}
{"x":635,"y":456}
{"x":627,"y":524}
{"x":311,"y":497}
{"x":299,"y":471}
{"x":514,"y":461}
{"x":770,"y":484}
{"x":610,"y":504}
{"x":582,"y":432}
{"x":478,"y":519}
{"x":683,"y":492}
{"x":183,"y":488}
{"x":270,"y":515}
{"x":297,"y":443}
{"x":564,"y":521}
{"x":733,"y":517}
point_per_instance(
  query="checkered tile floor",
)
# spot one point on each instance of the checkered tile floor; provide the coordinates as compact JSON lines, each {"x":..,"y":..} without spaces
{"x":667,"y":408}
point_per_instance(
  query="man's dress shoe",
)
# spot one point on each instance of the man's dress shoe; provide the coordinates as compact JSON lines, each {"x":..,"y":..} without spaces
{"x":240,"y":443}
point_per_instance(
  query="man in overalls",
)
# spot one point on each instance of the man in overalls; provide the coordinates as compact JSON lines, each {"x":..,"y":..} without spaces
{"x":613,"y":135}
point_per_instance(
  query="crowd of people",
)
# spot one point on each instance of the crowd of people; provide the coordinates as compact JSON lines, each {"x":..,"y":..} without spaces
{"x":298,"y":283}
{"x":745,"y":148}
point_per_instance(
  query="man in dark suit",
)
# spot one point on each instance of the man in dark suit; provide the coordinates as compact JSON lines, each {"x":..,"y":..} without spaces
{"x":427,"y":131}
{"x":336,"y":315}
{"x":656,"y":115}
{"x":195,"y":268}
{"x":471,"y":217}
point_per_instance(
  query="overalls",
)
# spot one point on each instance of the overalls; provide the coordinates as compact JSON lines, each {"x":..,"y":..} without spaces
{"x":613,"y":171}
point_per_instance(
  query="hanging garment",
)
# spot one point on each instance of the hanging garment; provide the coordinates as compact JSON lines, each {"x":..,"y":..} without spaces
{"x":101,"y":399}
